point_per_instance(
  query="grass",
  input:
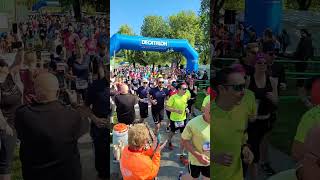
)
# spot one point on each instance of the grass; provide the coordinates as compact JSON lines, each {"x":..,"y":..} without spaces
{"x":289,"y":115}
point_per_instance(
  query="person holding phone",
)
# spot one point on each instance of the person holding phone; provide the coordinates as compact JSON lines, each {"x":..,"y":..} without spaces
{"x":140,"y":160}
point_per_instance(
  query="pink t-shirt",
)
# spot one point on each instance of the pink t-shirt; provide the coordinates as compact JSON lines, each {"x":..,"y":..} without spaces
{"x":91,"y":46}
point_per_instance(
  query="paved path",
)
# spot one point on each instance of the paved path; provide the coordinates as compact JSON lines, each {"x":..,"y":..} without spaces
{"x":170,"y":165}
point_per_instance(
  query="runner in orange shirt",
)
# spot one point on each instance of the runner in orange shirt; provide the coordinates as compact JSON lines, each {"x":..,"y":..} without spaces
{"x":139,"y":161}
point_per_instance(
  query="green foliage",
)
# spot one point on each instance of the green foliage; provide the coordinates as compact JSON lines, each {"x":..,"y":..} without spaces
{"x":125,"y":29}
{"x":313,"y":5}
{"x":127,"y":54}
{"x":203,"y":34}
{"x":89,"y":9}
{"x":234,"y":4}
{"x":183,"y":25}
{"x":154,"y":26}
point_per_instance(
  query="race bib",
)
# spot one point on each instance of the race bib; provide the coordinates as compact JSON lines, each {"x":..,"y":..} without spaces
{"x":146,"y":100}
{"x":179,"y":124}
{"x":61,"y":67}
{"x":206,"y":146}
{"x":81,"y":84}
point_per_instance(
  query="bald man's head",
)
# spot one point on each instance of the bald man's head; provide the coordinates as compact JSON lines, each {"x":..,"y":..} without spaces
{"x":124,"y":89}
{"x":46,"y":86}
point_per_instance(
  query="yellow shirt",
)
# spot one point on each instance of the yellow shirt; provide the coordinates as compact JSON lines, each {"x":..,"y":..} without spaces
{"x":205,"y":101}
{"x":228,"y":135}
{"x":178,"y":102}
{"x":308,"y":121}
{"x":198,"y":131}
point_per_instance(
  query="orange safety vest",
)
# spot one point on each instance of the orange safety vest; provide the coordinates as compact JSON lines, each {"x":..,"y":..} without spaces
{"x":138,"y":165}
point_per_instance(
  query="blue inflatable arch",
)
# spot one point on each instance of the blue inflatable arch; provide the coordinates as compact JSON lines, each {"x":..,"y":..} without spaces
{"x":139,"y":43}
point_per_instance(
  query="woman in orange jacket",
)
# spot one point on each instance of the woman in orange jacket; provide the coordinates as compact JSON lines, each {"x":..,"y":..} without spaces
{"x":138,"y":162}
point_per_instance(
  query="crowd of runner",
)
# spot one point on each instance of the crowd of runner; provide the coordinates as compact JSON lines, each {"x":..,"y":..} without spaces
{"x":171,"y":93}
{"x":246,"y":107}
{"x":46,"y":102}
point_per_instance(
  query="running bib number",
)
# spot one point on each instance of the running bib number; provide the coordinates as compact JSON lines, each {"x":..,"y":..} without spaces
{"x":81,"y":84}
{"x":179,"y":124}
{"x":61,"y":67}
{"x":206,"y":146}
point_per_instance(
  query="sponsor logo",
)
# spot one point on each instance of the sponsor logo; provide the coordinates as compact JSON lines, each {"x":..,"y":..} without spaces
{"x":154,"y":43}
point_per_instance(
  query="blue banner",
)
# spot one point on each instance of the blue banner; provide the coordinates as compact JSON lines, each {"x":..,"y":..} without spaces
{"x":139,"y":43}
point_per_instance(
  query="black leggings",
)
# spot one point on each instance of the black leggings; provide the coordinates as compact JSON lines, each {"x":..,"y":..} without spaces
{"x":100,"y":137}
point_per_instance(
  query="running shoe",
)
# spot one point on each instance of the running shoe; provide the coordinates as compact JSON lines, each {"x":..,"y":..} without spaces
{"x":184,"y":160}
{"x":267,"y":169}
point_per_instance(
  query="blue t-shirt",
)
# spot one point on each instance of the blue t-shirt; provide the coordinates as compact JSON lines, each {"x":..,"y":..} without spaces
{"x":98,"y":97}
{"x":160,"y":96}
{"x":142,"y":93}
{"x":80,"y":70}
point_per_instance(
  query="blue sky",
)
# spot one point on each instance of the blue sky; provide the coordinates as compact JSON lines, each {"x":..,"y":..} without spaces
{"x":132,"y":12}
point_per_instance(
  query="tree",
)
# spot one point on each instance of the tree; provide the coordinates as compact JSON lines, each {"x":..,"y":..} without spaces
{"x":203,"y":35}
{"x":154,"y":26}
{"x":234,"y":4}
{"x":125,"y":29}
{"x":127,"y":54}
{"x":184,"y":25}
{"x":157,"y":27}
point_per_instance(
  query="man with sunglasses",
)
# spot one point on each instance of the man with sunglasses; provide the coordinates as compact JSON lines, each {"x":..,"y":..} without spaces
{"x":309,"y":168}
{"x":157,"y":97}
{"x":230,"y":112}
{"x":142,"y":93}
{"x":177,"y":105}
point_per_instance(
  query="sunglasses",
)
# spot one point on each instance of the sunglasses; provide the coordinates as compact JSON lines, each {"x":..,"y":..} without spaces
{"x":184,"y":89}
{"x":145,"y":82}
{"x":236,"y":87}
{"x":161,"y":82}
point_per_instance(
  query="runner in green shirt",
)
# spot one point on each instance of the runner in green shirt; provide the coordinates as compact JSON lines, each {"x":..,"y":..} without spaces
{"x":196,"y":139}
{"x":177,"y":105}
{"x":230,"y":112}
